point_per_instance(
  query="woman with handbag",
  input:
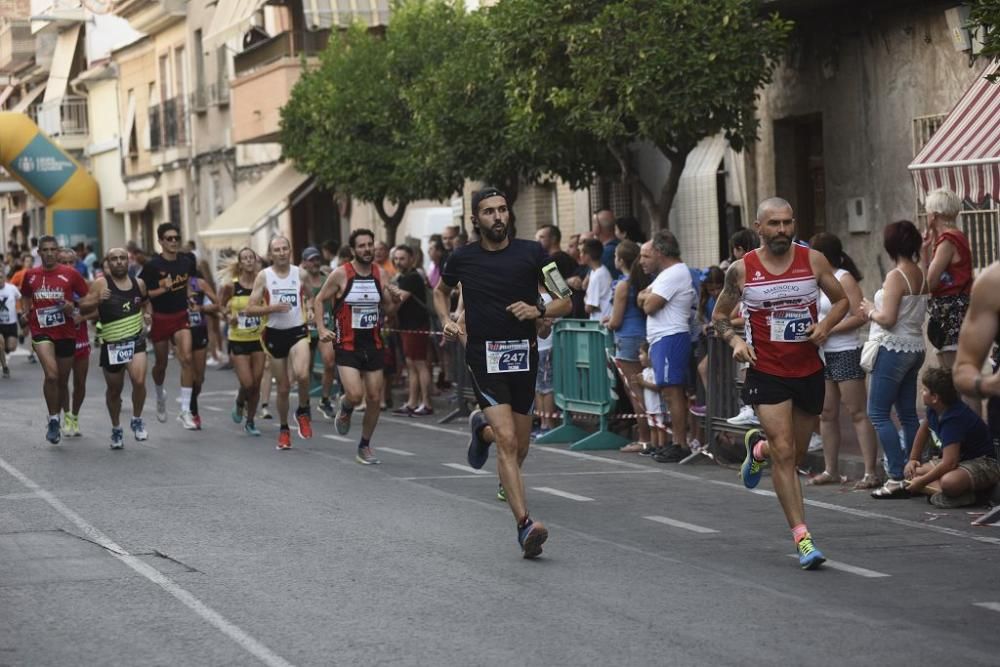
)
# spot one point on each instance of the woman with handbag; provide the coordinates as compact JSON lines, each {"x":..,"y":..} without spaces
{"x":845,"y":379}
{"x":948,"y":260}
{"x":897,"y":320}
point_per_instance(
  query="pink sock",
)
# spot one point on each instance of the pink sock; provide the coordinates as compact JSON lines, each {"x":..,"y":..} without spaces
{"x":799,"y":531}
{"x":758,"y":451}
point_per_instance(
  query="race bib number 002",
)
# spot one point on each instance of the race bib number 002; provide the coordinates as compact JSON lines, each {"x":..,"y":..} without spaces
{"x":364,"y":317}
{"x":790,"y":326}
{"x":508,"y":356}
{"x":53,"y":316}
{"x":121,"y":353}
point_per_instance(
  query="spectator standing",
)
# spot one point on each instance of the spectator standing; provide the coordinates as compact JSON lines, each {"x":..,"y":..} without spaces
{"x":605,"y":231}
{"x":628,"y":228}
{"x":413,"y":318}
{"x":550,"y":237}
{"x":329,"y":250}
{"x":449,"y":237}
{"x":383,"y":260}
{"x":968,"y":461}
{"x":436,"y":253}
{"x":946,"y":256}
{"x":845,"y":379}
{"x":628,"y":321}
{"x":667,"y":303}
{"x":90,"y":259}
{"x":897,"y":317}
{"x":598,"y":299}
{"x":740,"y":243}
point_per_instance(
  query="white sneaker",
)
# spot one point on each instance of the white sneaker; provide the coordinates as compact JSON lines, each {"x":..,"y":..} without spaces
{"x":139,"y":429}
{"x":211,"y":362}
{"x":117,"y":438}
{"x":161,"y":409}
{"x":187,"y":420}
{"x":815,"y":443}
{"x":746,"y":417}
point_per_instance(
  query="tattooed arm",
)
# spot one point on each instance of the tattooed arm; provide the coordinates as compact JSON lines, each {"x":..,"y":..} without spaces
{"x":728,"y":299}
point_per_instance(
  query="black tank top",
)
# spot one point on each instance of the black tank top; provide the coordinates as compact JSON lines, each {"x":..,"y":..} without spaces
{"x":120,"y":315}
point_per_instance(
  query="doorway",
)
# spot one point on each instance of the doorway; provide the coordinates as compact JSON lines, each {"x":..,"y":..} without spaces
{"x":799,"y":172}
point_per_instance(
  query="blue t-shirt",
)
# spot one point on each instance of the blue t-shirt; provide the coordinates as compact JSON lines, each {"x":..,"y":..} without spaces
{"x":634,"y":320}
{"x":608,"y":257}
{"x":960,"y":424}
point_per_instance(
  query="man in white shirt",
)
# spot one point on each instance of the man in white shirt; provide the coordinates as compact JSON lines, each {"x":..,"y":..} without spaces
{"x":667,"y":304}
{"x":598,"y":296}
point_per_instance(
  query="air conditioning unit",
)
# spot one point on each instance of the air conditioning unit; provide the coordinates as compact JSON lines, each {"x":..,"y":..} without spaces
{"x":958,"y":27}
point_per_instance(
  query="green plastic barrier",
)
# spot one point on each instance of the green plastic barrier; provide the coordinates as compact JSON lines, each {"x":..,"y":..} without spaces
{"x":583,"y":380}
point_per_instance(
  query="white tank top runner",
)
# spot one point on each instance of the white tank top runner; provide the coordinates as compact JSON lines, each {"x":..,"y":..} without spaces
{"x":285,"y":290}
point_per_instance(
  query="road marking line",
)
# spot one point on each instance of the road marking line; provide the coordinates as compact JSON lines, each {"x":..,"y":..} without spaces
{"x":338,"y":438}
{"x":561,"y":494}
{"x":429,"y":427}
{"x":992,"y":606}
{"x":397,"y":452}
{"x":852,"y":569}
{"x":680,"y":524}
{"x":465,"y":468}
{"x":214,"y":618}
{"x":532,"y":474}
{"x":212,"y":408}
{"x":230,"y":392}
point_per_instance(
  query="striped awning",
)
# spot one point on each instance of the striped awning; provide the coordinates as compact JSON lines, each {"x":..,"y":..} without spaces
{"x":321,"y":14}
{"x":964,"y":154}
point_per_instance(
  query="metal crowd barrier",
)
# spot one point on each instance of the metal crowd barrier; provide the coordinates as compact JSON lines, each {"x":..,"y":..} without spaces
{"x":465,"y":395}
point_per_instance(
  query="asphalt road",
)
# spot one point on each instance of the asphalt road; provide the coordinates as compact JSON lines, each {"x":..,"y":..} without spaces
{"x":213,"y":548}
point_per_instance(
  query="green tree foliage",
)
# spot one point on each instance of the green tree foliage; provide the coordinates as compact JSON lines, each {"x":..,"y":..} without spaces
{"x":347,"y":121}
{"x":669,"y":72}
{"x":986,"y":13}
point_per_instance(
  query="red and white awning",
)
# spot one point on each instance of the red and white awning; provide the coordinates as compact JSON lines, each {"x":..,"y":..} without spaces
{"x":964,"y":154}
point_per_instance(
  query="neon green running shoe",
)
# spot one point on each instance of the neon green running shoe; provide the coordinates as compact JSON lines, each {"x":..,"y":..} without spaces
{"x":501,"y":493}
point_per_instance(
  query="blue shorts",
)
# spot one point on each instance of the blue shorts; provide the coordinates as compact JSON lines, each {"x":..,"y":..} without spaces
{"x":543,"y":382}
{"x":627,"y":347}
{"x":670,"y":358}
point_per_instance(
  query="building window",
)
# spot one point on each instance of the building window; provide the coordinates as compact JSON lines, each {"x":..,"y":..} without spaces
{"x":176,"y":214}
{"x":924,"y":128}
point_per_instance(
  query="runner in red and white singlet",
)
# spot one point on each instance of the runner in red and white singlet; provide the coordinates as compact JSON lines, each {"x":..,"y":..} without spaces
{"x":779,"y":287}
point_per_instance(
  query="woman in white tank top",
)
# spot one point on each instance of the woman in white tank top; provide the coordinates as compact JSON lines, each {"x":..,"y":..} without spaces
{"x":897,"y":317}
{"x":845,"y":380}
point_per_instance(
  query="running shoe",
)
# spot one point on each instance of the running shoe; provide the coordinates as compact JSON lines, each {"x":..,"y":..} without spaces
{"x":71,"y":426}
{"x":284,"y":439}
{"x":479,"y":450}
{"x":54,"y":433}
{"x":6,"y":373}
{"x":303,"y":424}
{"x":187,"y":420}
{"x":326,"y":409}
{"x":237,"y":413}
{"x":343,"y":420}
{"x":138,"y":429}
{"x":264,"y":413}
{"x":117,"y":438}
{"x":672,"y":453}
{"x":746,"y":417}
{"x":815,"y":442}
{"x":250,"y":429}
{"x":810,"y":557}
{"x":752,"y":469}
{"x":698,"y":410}
{"x":404,"y":411}
{"x":32,"y":359}
{"x":197,"y":421}
{"x":161,"y":409}
{"x":531,"y":536}
{"x":366,"y":456}
{"x":423,"y":411}
{"x":501,"y":493}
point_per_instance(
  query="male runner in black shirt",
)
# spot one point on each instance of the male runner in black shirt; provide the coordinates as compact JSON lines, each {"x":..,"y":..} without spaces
{"x":501,"y":280}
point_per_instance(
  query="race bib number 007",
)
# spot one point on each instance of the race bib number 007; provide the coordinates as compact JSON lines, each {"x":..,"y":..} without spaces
{"x":121,"y":353}
{"x":790,"y":326}
{"x":53,"y":316}
{"x":364,"y":317}
{"x":508,"y":356}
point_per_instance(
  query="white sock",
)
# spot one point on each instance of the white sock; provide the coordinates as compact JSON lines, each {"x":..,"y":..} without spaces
{"x":185,"y":399}
{"x":161,"y":393}
{"x":53,"y":418}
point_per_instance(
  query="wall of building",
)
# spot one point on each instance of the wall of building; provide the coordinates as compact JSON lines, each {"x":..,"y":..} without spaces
{"x":867,"y":80}
{"x":105,"y":157}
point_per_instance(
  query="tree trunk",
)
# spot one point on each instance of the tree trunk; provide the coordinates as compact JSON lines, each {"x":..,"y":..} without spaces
{"x":392,"y":221}
{"x":669,"y":190}
{"x":630,"y":176}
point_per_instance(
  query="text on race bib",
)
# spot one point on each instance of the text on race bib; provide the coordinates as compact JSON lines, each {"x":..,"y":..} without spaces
{"x":121,"y":353}
{"x":790,"y":326}
{"x":53,"y":316}
{"x":364,"y":317}
{"x":194,"y":318}
{"x":289,"y":296}
{"x":508,"y":356}
{"x":244,"y":321}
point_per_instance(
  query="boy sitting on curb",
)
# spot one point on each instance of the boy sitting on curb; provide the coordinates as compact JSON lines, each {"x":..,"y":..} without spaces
{"x":968,"y":461}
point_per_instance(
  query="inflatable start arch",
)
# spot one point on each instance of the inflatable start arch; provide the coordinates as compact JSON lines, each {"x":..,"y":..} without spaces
{"x":70,"y":194}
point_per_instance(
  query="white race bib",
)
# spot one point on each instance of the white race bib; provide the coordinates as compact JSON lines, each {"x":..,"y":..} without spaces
{"x":289,"y":296}
{"x":244,"y":321}
{"x":508,"y":356}
{"x":790,"y":326}
{"x":121,"y":353}
{"x":194,"y":318}
{"x":53,"y":316}
{"x":364,"y":317}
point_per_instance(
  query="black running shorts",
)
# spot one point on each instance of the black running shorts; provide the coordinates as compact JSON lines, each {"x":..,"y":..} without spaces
{"x":366,"y":359}
{"x":278,"y":342}
{"x":806,"y":393}
{"x":65,"y":347}
{"x":139,"y":345}
{"x":243,"y":347}
{"x":199,"y":338}
{"x":514,"y":389}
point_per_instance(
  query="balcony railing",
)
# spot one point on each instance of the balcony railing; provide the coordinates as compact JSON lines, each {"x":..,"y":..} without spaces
{"x":212,"y":95}
{"x":64,"y":118}
{"x":168,"y":124}
{"x":285,"y":45}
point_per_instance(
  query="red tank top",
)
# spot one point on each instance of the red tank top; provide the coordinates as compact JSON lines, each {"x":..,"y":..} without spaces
{"x":957,"y":277}
{"x":778,"y":310}
{"x":358,"y":313}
